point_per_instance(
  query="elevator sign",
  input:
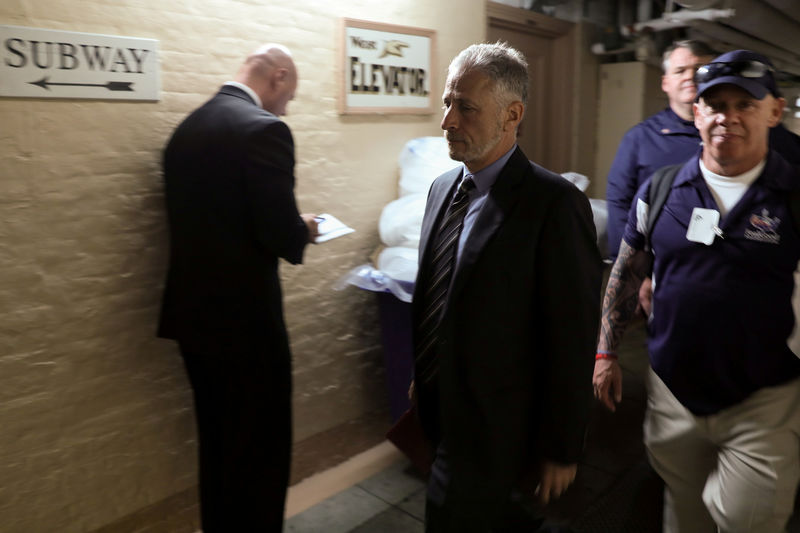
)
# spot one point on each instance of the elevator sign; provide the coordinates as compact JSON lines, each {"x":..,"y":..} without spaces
{"x":38,"y":63}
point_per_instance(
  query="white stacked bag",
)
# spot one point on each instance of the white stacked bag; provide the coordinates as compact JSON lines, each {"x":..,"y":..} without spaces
{"x":421,"y":161}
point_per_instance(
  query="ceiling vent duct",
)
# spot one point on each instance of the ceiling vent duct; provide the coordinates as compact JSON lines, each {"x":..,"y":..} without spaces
{"x":767,"y":26}
{"x":763,"y":21}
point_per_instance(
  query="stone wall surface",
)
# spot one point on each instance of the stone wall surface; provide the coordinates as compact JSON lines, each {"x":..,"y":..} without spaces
{"x":96,"y":411}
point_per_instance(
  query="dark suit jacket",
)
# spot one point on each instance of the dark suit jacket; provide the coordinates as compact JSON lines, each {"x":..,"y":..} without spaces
{"x":229,"y":179}
{"x":518,"y":333}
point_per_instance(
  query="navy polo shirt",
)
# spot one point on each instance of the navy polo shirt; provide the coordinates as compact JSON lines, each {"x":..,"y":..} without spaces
{"x":661,"y":140}
{"x":722,"y":313}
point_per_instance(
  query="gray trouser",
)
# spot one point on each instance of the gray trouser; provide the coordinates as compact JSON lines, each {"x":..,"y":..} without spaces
{"x":734,"y":471}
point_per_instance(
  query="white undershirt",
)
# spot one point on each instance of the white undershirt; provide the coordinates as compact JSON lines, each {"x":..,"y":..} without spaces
{"x":727,"y":190}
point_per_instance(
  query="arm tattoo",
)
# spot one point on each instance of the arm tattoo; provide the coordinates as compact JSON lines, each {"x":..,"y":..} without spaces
{"x":622,"y":295}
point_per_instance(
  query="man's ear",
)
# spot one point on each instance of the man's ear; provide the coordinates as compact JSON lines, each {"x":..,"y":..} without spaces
{"x":514,"y":113}
{"x":279,"y":75}
{"x":696,"y":114}
{"x":776,"y":111}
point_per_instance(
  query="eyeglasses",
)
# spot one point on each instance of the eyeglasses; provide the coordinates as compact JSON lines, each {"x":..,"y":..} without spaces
{"x":743,"y":69}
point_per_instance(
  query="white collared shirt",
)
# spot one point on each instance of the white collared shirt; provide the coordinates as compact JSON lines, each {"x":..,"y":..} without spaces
{"x":250,"y":92}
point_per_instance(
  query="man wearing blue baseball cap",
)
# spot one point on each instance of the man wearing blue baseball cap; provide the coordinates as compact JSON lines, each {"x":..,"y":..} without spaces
{"x":722,"y":422}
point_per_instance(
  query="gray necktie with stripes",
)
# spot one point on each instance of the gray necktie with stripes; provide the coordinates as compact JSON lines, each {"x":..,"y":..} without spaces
{"x":440,"y":272}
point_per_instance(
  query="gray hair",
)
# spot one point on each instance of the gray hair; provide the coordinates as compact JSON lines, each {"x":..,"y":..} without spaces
{"x":697,"y":48}
{"x":499,"y":62}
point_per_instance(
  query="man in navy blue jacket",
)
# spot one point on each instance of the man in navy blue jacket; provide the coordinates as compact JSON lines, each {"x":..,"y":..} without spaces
{"x":668,"y":137}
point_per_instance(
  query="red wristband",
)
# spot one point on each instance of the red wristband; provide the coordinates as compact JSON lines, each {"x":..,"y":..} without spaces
{"x":611,"y":356}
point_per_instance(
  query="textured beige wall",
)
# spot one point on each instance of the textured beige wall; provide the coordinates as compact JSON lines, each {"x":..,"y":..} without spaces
{"x":96,"y":412}
{"x":628,"y":93}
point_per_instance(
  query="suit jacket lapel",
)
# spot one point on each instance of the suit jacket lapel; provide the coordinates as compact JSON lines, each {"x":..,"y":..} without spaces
{"x":501,"y":199}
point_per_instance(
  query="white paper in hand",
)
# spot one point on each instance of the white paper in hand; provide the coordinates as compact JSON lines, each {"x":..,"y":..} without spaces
{"x":330,"y":227}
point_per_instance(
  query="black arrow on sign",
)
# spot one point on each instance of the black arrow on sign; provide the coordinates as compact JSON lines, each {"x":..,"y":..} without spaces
{"x":111,"y":85}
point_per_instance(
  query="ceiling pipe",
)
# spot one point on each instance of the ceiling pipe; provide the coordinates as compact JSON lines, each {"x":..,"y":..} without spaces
{"x":787,"y":7}
{"x":676,"y":19}
{"x":772,"y":33}
{"x":783,"y":59}
{"x":694,"y":4}
{"x":766,"y":23}
{"x":600,"y":50}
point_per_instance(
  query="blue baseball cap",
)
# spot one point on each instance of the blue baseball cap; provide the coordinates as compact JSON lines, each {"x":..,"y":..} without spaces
{"x":749,"y":70}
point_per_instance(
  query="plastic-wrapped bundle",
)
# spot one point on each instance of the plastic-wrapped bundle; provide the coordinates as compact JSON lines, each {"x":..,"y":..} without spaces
{"x":579,"y":180}
{"x":401,"y":221}
{"x":399,"y":262}
{"x":370,"y":278}
{"x":421,"y":161}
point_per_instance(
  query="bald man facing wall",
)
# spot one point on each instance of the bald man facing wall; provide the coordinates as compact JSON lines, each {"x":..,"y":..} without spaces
{"x":229,"y":182}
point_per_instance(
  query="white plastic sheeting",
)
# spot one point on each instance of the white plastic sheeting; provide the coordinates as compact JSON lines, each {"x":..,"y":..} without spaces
{"x":401,"y":221}
{"x":421,"y":161}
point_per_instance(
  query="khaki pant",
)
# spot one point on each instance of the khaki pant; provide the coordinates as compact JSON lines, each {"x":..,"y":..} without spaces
{"x":735,"y":471}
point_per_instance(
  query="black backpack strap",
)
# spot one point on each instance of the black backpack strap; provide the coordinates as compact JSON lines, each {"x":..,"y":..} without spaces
{"x":660,"y":185}
{"x":794,"y":208}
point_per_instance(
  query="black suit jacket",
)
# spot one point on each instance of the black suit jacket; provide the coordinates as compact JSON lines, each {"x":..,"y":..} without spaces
{"x":229,"y":182}
{"x":518,"y":332}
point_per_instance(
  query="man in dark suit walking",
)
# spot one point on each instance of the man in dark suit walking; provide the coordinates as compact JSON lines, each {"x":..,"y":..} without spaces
{"x":229,"y":180}
{"x":505,"y":311}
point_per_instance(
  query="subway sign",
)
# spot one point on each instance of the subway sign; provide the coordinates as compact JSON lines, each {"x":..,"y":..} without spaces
{"x":40,"y":63}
